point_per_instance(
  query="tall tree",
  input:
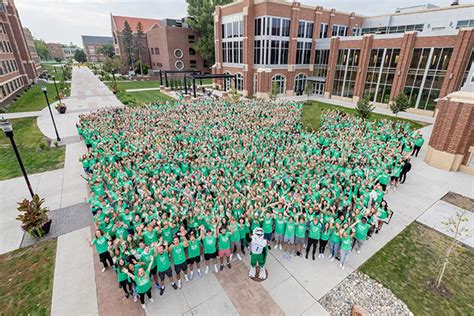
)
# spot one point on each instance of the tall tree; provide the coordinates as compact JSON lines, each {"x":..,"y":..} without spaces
{"x":107,"y":50}
{"x":41,"y":49}
{"x":138,"y":45}
{"x":128,"y":43}
{"x":201,"y":20}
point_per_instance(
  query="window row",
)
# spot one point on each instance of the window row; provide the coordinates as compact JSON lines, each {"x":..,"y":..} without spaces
{"x":465,"y":23}
{"x":8,"y":66}
{"x":232,"y":29}
{"x":155,"y":51}
{"x":392,"y":29}
{"x":271,"y":52}
{"x":5,"y":47}
{"x":10,"y":87}
{"x":265,"y":26}
{"x":2,"y":28}
{"x":232,"y":52}
{"x":339,"y":30}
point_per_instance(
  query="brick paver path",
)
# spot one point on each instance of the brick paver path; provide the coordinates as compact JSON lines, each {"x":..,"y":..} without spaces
{"x":110,"y":298}
{"x":247,"y":296}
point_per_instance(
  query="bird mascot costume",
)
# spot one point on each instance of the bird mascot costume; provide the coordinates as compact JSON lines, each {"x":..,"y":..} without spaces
{"x":258,"y":254}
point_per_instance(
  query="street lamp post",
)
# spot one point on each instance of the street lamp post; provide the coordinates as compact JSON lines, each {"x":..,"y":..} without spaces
{"x":57,"y":92}
{"x":64,"y":74}
{"x":8,"y":130}
{"x":45,"y":91}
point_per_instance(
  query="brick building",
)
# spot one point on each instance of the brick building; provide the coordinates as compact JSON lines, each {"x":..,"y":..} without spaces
{"x":168,"y":43}
{"x":91,"y":45}
{"x":423,"y":51}
{"x":32,"y":49}
{"x":17,"y":69}
{"x":55,"y":51}
{"x":451,"y":145}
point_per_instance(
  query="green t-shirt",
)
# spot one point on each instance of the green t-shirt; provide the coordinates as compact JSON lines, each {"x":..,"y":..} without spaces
{"x":224,"y":241}
{"x":150,"y":237}
{"x":163,"y":261}
{"x":235,"y":236}
{"x":177,"y":252}
{"x":325,"y":234}
{"x":194,"y":248}
{"x":419,"y":141}
{"x":315,"y":230}
{"x":346,"y":243}
{"x":267,"y":225}
{"x":361,"y":231}
{"x":280,"y":226}
{"x":209,"y":244}
{"x":143,"y":283}
{"x":102,"y":244}
{"x":300,"y":230}
{"x":146,"y":258}
{"x":290,"y":229}
{"x":167,"y":234}
{"x":335,"y":238}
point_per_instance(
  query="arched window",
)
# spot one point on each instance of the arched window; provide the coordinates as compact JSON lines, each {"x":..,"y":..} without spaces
{"x":240,"y":82}
{"x":300,"y":84}
{"x":280,"y":82}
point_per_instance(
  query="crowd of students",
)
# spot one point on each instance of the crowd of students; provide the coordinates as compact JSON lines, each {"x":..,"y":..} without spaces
{"x":181,"y":186}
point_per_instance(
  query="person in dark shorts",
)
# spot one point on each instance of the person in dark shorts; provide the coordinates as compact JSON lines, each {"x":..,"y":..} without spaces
{"x":210,"y":250}
{"x":179,"y":258}
{"x":194,"y":254}
{"x":164,"y":267}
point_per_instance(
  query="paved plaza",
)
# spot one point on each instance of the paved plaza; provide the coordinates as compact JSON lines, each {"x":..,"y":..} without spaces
{"x":293,"y":287}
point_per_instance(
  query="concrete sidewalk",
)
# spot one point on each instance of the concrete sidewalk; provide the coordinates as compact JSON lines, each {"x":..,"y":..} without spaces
{"x":16,"y":115}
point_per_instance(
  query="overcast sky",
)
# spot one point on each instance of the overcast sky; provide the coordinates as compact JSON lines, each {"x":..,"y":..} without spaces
{"x":66,"y":20}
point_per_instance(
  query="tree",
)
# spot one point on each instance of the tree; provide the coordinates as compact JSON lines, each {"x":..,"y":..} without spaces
{"x":138,"y":45}
{"x":275,"y":91}
{"x":453,"y":225}
{"x":107,"y":50}
{"x":80,"y":56}
{"x":309,"y":88}
{"x":113,"y":65}
{"x":128,"y":43}
{"x":364,"y":107}
{"x":201,"y":20}
{"x":401,"y":104}
{"x":41,"y":49}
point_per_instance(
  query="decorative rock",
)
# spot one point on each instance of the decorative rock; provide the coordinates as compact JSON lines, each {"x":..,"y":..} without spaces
{"x":360,"y":295}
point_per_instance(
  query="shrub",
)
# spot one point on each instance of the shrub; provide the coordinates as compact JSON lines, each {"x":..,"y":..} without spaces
{"x":401,"y":104}
{"x":364,"y":107}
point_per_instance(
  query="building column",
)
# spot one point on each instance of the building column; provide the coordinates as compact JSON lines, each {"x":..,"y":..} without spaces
{"x":364,"y":60}
{"x":264,"y":83}
{"x":406,"y":51}
{"x":295,"y":13}
{"x":332,"y":13}
{"x":350,"y":25}
{"x":318,"y":13}
{"x":333,"y":53}
{"x":248,"y":49}
{"x":458,"y":63}
{"x":217,"y":67}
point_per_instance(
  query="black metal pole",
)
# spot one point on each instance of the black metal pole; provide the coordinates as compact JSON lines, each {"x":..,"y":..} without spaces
{"x":52,"y":117}
{"x":185,"y":85}
{"x":194,"y":87}
{"x":15,"y":149}
{"x":64,"y":74}
{"x":161,"y":78}
{"x":57,"y":92}
{"x":166,"y":79}
{"x":235,"y":82}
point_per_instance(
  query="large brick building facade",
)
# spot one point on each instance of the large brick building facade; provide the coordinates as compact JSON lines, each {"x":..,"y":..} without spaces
{"x":168,"y":43}
{"x":92,"y":44}
{"x":17,"y":68}
{"x":423,"y":51}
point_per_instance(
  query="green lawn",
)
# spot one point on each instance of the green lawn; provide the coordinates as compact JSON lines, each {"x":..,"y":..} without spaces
{"x":142,"y":97}
{"x":57,"y":72}
{"x":33,"y":148}
{"x":33,"y":99}
{"x":26,"y":280}
{"x":312,"y":110}
{"x":413,"y":258}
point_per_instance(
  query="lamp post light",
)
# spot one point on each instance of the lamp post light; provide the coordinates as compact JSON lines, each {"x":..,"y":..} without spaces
{"x":45,"y":91}
{"x":7,"y":128}
{"x":64,"y":74}
{"x":57,"y":92}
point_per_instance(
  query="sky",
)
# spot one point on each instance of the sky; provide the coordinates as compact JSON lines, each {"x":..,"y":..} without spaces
{"x":65,"y":21}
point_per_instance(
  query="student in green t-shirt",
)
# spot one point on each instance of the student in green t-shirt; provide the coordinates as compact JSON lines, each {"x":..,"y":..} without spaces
{"x":224,"y":247}
{"x":235,"y":244}
{"x":323,"y":241}
{"x":334,"y":240}
{"x":102,"y":245}
{"x":346,"y":247}
{"x":210,"y":250}
{"x":147,"y":257}
{"x":194,"y":254}
{"x":267,"y":226}
{"x":123,"y":278}
{"x":361,"y":230}
{"x":300,"y":235}
{"x":164,"y":266}
{"x":143,"y":283}
{"x":314,"y":236}
{"x":418,"y":143}
{"x":179,"y":258}
{"x":279,"y":229}
{"x":289,"y":237}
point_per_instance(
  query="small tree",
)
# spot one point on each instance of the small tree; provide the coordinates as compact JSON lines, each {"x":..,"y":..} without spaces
{"x":275,"y":91}
{"x":364,"y":107}
{"x":308,"y":90}
{"x":401,"y":104}
{"x":80,"y":56}
{"x":107,"y":50}
{"x":453,"y":224}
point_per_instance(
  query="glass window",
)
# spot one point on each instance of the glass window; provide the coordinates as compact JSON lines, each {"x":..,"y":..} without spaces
{"x":192,"y":51}
{"x":276,"y":26}
{"x":239,"y":82}
{"x":300,"y":84}
{"x":285,"y":27}
{"x":301,"y":26}
{"x":257,"y":52}
{"x":323,"y":31}
{"x":280,"y":81}
{"x":346,"y":72}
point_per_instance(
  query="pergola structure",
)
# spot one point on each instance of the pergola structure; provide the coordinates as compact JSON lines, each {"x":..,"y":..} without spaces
{"x":166,"y":72}
{"x":193,"y":77}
